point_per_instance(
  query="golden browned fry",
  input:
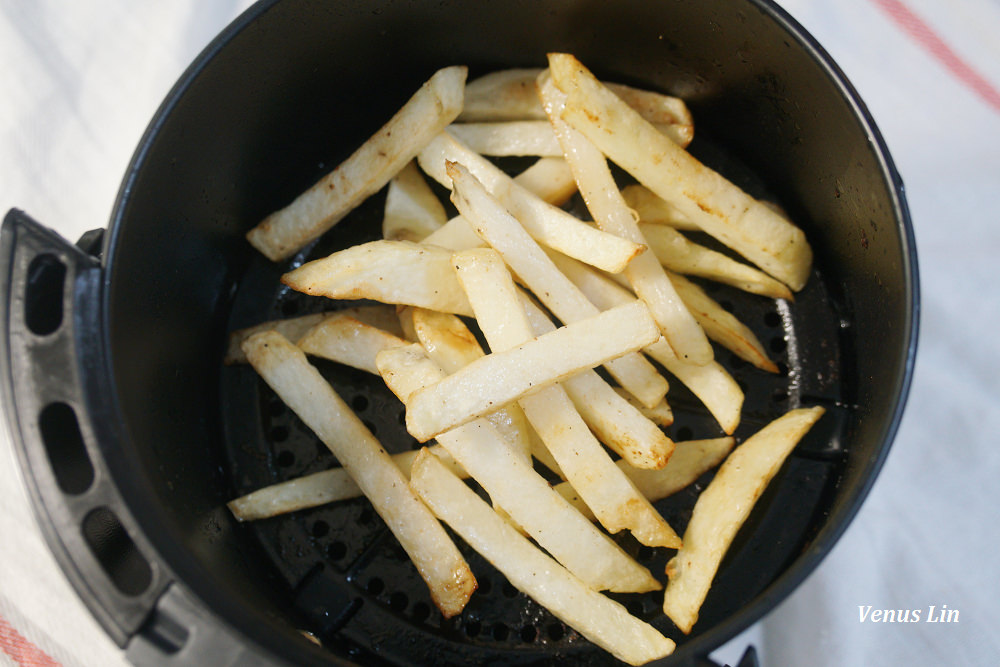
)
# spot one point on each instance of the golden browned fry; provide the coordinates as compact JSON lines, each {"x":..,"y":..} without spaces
{"x":287,"y":371}
{"x":366,"y":171}
{"x":720,"y":208}
{"x":723,"y":507}
{"x":598,"y":618}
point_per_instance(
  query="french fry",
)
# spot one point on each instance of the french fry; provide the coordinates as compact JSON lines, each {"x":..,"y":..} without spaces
{"x":286,"y":370}
{"x":546,"y":223}
{"x":681,"y":255}
{"x":509,"y":95}
{"x":533,"y":267}
{"x":716,"y":205}
{"x":549,"y":178}
{"x":653,"y":209}
{"x":723,"y":507}
{"x":396,"y":272}
{"x":660,"y":414}
{"x":450,"y":343}
{"x":722,"y":326}
{"x":348,"y":341}
{"x":517,"y":137}
{"x":320,"y":488}
{"x":711,"y":383}
{"x":412,"y":210}
{"x":293,"y":328}
{"x":615,"y":501}
{"x":612,"y":214}
{"x":598,"y":618}
{"x":690,"y":460}
{"x":502,"y":377}
{"x":435,"y":105}
{"x":517,"y":488}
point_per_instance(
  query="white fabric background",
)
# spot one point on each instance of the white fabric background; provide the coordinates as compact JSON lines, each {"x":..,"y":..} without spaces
{"x":81,"y":81}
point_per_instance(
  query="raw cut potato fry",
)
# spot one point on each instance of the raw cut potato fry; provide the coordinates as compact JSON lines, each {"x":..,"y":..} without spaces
{"x":716,"y":205}
{"x":614,"y":420}
{"x":502,"y":377}
{"x":396,"y":272}
{"x":348,"y":341}
{"x":509,"y":95}
{"x":612,"y":214}
{"x":723,"y":507}
{"x":286,"y":370}
{"x":681,"y":255}
{"x":293,"y":328}
{"x":654,"y":210}
{"x":533,"y":267}
{"x":615,"y":501}
{"x":711,"y":383}
{"x":514,"y":485}
{"x":516,"y":137}
{"x":660,"y":414}
{"x":690,"y":460}
{"x":318,"y":489}
{"x":549,"y":224}
{"x":549,"y":178}
{"x":412,"y":210}
{"x":598,"y":618}
{"x":366,"y":171}
{"x":450,"y":343}
{"x":722,"y":326}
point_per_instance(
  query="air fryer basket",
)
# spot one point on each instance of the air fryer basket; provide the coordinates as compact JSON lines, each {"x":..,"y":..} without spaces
{"x":124,"y":334}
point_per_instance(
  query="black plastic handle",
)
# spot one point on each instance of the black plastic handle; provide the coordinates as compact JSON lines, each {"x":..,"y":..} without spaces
{"x":55,"y":398}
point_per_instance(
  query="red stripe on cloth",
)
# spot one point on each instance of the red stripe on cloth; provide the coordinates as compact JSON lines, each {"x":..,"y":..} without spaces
{"x":912,"y":24}
{"x":18,"y":647}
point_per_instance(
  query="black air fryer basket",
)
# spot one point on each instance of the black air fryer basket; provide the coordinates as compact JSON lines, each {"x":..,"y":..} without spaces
{"x":132,"y":435}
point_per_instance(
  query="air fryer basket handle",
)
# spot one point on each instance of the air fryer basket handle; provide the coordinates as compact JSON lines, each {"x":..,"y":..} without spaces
{"x":55,"y":386}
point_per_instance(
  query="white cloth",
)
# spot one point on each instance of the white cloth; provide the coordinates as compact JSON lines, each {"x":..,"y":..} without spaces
{"x":81,"y":81}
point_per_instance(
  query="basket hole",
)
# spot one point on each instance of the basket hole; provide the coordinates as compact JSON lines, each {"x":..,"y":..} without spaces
{"x":276,"y":408}
{"x":366,"y":516}
{"x":64,"y":445}
{"x":778,"y":344}
{"x":279,"y":434}
{"x":473,"y":628}
{"x":375,"y":586}
{"x":116,"y":552}
{"x":772,"y":319}
{"x":359,"y":403}
{"x":398,"y":601}
{"x":285,"y":459}
{"x":555,"y":631}
{"x":421,"y":611}
{"x":43,"y":303}
{"x":508,"y":590}
{"x":337,"y":550}
{"x":485,"y":585}
{"x":320,"y":529}
{"x":500,"y":632}
{"x":528,"y":634}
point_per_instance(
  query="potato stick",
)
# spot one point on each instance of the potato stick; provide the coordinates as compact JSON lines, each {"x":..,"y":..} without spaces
{"x":598,"y":618}
{"x":549,"y":224}
{"x":286,"y":370}
{"x":681,"y":255}
{"x":711,"y":383}
{"x":660,"y":414}
{"x":516,"y":137}
{"x":404,"y":315}
{"x":502,"y":377}
{"x":318,"y":489}
{"x":723,"y":507}
{"x":396,"y":272}
{"x":615,"y":501}
{"x":614,"y":420}
{"x":509,"y":95}
{"x":348,"y":341}
{"x":720,"y":208}
{"x":690,"y":460}
{"x":654,"y":210}
{"x":722,"y":326}
{"x":549,"y":178}
{"x":527,"y":259}
{"x":412,"y":210}
{"x":293,"y":328}
{"x":514,"y":485}
{"x":612,"y":214}
{"x":367,"y":170}
{"x":450,"y":343}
